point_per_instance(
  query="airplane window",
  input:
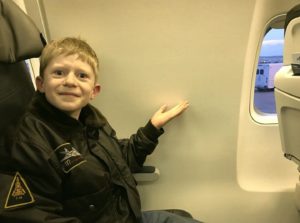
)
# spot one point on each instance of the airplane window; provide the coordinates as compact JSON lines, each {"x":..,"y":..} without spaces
{"x":270,"y":61}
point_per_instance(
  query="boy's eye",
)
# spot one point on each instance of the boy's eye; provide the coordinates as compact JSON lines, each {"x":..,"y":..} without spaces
{"x":82,"y":75}
{"x":58,"y":72}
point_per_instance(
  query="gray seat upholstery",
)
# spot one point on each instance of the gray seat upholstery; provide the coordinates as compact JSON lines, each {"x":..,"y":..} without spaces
{"x":20,"y":39}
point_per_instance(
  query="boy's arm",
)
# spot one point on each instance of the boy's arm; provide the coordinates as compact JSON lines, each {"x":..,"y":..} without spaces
{"x":31,"y":213}
{"x":141,"y":144}
{"x":26,"y":197}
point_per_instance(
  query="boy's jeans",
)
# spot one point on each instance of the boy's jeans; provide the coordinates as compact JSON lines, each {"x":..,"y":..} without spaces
{"x":165,"y":217}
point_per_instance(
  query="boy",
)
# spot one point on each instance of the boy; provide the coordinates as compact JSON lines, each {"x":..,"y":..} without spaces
{"x":63,"y":162}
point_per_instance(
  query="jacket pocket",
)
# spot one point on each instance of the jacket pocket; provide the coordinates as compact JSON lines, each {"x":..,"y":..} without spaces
{"x":88,"y":206}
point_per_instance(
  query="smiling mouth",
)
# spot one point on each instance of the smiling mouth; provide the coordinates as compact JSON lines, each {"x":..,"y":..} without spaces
{"x":68,"y":94}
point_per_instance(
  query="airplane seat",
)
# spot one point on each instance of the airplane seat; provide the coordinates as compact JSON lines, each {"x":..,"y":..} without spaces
{"x":287,"y":92}
{"x":19,"y":40}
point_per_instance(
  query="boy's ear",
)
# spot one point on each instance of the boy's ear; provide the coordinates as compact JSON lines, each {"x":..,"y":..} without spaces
{"x":96,"y":91}
{"x":39,"y":83}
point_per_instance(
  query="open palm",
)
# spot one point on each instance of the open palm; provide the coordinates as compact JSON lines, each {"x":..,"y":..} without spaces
{"x":163,"y":116}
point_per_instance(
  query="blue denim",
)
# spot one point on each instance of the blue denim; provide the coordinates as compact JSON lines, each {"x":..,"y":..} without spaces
{"x":165,"y":217}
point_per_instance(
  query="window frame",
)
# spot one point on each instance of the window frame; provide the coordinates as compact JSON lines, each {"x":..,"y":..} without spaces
{"x":257,"y":115}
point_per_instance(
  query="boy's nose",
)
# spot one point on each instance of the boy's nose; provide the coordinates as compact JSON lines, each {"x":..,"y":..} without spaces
{"x":70,"y":79}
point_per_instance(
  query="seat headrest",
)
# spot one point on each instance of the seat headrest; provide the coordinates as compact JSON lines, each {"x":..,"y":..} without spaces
{"x":291,"y":53}
{"x":292,"y":14}
{"x":20,"y":39}
{"x":287,"y":92}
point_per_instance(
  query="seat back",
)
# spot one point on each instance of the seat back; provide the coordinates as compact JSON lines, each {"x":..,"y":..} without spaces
{"x":287,"y":88}
{"x":20,"y":39}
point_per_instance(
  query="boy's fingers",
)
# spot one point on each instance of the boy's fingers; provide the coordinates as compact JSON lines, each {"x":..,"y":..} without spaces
{"x":163,"y":108}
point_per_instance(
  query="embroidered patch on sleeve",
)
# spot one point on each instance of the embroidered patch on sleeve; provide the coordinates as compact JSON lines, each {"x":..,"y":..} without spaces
{"x":19,"y":193}
{"x":69,"y":157}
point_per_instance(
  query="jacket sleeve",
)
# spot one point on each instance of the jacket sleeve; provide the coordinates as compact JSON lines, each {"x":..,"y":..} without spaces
{"x":136,"y":148}
{"x":30,"y":186}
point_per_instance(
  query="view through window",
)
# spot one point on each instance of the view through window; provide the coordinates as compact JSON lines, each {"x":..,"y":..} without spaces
{"x":270,"y":61}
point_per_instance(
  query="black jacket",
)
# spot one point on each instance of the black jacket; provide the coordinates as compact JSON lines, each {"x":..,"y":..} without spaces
{"x":56,"y":169}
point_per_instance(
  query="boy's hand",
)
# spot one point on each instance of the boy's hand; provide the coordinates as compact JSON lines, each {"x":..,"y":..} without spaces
{"x":162,"y":116}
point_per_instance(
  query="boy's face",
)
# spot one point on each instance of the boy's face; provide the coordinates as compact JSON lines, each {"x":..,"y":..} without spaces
{"x":69,"y":84}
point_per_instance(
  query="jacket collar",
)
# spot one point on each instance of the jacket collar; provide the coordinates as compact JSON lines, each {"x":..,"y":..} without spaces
{"x":90,"y":117}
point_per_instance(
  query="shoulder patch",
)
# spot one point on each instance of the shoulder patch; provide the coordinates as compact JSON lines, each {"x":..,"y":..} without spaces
{"x":19,"y":193}
{"x":69,"y":157}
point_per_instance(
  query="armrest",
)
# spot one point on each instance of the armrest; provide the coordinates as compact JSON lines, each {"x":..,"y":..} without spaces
{"x":146,"y":174}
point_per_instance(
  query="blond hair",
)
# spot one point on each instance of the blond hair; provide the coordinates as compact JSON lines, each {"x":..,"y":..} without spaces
{"x":69,"y":46}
